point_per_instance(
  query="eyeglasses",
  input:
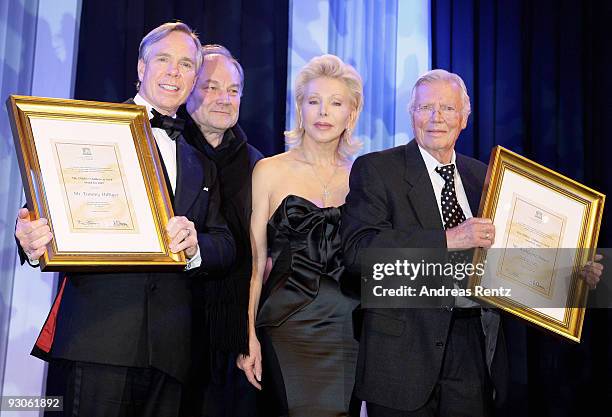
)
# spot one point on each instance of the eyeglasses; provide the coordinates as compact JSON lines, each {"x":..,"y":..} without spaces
{"x":447,"y":112}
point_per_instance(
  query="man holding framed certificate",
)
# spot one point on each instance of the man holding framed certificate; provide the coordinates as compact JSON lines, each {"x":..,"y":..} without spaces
{"x":125,"y":337}
{"x":435,"y":361}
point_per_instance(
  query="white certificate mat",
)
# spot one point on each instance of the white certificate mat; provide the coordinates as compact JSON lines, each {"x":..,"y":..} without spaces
{"x":94,"y":186}
{"x":544,"y":294}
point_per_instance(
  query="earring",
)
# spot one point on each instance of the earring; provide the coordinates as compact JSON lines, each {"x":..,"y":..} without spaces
{"x":298,"y":117}
{"x":347,"y":135}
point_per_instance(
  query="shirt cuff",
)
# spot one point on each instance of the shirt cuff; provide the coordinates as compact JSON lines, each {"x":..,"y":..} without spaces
{"x":194,"y":262}
{"x":32,"y":262}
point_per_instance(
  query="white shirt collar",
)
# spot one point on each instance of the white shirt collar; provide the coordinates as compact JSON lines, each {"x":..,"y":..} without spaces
{"x":165,"y":145}
{"x":138,"y":99}
{"x":432,"y":163}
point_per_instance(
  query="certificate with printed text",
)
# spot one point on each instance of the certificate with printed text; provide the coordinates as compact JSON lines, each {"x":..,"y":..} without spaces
{"x":529,"y":229}
{"x":92,"y":169}
{"x":96,"y":194}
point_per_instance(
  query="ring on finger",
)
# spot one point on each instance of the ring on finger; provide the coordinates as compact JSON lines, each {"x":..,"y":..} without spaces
{"x":487,"y":236}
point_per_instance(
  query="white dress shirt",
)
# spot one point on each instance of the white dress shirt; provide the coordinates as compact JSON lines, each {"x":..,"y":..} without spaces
{"x":166,"y":146}
{"x":167,"y":149}
{"x":438,"y":183}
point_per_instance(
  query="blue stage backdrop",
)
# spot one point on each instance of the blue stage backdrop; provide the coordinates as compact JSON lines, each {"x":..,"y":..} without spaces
{"x":387,"y":41}
{"x":37,"y":45}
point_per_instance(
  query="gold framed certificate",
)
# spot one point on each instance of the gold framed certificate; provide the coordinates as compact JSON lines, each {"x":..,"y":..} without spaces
{"x":546,"y":229}
{"x":92,"y":169}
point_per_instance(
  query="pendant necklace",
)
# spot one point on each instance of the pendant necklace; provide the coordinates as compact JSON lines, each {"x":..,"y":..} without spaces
{"x":325,"y":185}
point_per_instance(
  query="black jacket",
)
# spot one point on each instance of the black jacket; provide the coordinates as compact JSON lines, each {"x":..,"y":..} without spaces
{"x":142,"y":319}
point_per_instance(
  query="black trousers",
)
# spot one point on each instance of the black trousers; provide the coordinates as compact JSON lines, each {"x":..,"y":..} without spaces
{"x":97,"y":390}
{"x":464,"y":388}
{"x":217,"y":388}
{"x":229,"y":393}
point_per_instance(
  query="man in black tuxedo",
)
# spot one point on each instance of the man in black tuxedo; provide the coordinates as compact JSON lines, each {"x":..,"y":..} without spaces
{"x":425,"y":362}
{"x":125,"y":337}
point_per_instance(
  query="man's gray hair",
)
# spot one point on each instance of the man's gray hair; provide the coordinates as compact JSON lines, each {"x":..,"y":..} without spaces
{"x":160,"y":32}
{"x":214,"y":49}
{"x":444,"y":76}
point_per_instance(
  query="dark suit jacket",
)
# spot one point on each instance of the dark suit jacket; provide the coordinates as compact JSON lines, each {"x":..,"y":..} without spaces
{"x":143,"y":319}
{"x":391,"y":204}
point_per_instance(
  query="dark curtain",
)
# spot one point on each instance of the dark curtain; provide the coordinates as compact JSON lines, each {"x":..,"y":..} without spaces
{"x":256,"y":32}
{"x":537,"y":74}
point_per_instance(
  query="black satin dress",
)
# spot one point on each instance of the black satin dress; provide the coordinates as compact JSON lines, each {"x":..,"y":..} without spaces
{"x":305,"y":321}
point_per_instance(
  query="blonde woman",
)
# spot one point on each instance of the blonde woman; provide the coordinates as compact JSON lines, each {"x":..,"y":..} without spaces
{"x":301,"y":347}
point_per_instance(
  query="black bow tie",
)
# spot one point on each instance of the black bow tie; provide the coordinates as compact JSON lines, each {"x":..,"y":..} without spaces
{"x":172,"y":126}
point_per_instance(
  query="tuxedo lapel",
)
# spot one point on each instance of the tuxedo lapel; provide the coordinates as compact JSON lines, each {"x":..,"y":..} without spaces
{"x":421,"y":194}
{"x":166,"y":177}
{"x":189,"y":177}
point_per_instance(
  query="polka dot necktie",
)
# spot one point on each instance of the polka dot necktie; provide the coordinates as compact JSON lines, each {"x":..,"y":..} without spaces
{"x":452,"y":215}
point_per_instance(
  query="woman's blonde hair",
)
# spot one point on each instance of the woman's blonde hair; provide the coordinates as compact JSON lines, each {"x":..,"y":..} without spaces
{"x":329,"y":66}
